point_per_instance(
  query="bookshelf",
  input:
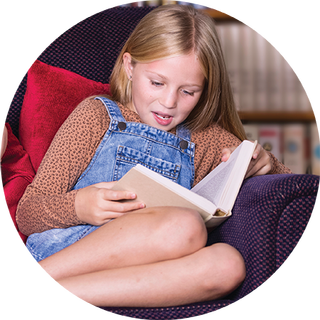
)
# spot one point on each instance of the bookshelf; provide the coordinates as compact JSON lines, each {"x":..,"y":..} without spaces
{"x":277,"y":116}
{"x":225,"y":9}
{"x":217,"y":9}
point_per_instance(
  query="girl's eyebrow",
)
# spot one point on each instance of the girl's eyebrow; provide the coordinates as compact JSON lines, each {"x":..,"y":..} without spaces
{"x":165,"y":78}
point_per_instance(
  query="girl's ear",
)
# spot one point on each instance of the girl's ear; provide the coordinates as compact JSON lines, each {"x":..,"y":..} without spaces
{"x":127,"y":64}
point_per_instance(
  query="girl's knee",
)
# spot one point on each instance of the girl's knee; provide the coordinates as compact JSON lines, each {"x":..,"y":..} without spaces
{"x":235,"y":267}
{"x":184,"y":230}
{"x":228,"y":265}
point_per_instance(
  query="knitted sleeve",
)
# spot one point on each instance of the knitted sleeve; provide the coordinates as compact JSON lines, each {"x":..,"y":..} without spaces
{"x":48,"y":202}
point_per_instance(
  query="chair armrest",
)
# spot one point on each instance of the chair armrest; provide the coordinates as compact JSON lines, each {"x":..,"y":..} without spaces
{"x":269,"y":217}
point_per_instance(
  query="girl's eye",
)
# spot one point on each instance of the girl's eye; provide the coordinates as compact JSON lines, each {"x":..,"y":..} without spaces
{"x":156,"y":83}
{"x":188,"y":93}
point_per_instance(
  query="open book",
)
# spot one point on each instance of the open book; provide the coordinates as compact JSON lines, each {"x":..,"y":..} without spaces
{"x":213,"y":197}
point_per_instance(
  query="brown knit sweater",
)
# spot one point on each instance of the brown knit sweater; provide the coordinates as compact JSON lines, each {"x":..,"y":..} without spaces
{"x":48,"y":202}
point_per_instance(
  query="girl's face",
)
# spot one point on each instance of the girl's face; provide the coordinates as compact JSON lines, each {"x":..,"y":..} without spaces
{"x":164,"y":92}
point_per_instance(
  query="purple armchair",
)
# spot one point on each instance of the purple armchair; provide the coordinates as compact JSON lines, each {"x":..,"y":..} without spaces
{"x":265,"y":226}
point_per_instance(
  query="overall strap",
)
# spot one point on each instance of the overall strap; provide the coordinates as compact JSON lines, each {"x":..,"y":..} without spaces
{"x":116,"y":116}
{"x":113,"y":109}
{"x":183,"y":132}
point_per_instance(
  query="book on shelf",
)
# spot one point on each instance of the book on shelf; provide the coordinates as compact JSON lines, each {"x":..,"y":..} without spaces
{"x":213,"y":197}
{"x":252,"y":131}
{"x":153,"y":3}
{"x":270,"y":138}
{"x":229,"y":36}
{"x":295,"y":148}
{"x":315,"y":149}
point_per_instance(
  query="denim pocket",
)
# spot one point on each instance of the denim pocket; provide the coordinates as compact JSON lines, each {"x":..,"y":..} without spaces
{"x":127,"y":158}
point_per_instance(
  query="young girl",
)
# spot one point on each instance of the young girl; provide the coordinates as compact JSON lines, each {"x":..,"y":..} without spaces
{"x":171,"y":110}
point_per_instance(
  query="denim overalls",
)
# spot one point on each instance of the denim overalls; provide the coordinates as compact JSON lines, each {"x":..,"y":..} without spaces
{"x":124,"y":145}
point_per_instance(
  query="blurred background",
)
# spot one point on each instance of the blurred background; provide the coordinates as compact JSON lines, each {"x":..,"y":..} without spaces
{"x":271,"y":47}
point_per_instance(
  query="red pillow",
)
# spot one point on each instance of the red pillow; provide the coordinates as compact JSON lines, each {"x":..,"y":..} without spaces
{"x":52,"y":94}
{"x":15,"y":161}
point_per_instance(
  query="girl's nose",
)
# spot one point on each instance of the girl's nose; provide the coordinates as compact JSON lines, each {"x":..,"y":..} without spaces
{"x":169,"y":99}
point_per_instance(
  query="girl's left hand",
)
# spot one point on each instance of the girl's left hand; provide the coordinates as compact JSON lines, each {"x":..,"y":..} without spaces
{"x":260,"y":163}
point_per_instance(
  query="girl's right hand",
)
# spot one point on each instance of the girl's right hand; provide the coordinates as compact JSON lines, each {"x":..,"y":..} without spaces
{"x":97,"y":204}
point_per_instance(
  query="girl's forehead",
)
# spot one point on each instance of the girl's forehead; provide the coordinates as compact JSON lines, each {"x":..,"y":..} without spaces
{"x":187,"y":66}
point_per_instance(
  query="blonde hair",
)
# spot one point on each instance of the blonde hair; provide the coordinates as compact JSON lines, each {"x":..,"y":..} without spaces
{"x":174,"y":30}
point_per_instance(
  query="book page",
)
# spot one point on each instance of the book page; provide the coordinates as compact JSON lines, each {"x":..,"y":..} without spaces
{"x":222,"y":185}
{"x":212,"y":187}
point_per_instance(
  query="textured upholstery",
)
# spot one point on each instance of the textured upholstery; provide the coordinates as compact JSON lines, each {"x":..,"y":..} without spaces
{"x":89,"y":49}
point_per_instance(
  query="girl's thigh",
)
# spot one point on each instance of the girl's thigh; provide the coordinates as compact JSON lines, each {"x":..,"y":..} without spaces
{"x":141,"y":237}
{"x":44,"y":244}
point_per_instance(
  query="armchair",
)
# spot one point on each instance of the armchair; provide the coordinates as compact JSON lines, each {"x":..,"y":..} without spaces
{"x":270,"y":213}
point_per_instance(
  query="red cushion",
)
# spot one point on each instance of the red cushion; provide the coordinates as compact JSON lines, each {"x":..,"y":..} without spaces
{"x":15,"y":161}
{"x":52,"y":94}
{"x":13,"y":192}
{"x":16,"y":173}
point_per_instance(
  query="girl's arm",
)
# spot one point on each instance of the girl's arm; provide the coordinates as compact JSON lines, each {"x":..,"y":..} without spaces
{"x":48,"y":202}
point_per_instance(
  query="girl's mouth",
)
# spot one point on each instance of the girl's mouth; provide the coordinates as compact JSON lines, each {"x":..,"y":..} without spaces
{"x":162,"y":119}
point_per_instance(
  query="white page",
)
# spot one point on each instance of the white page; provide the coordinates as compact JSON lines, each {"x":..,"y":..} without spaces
{"x":216,"y":185}
{"x":211,"y":187}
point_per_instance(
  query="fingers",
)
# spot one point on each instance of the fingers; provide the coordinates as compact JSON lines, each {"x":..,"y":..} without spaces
{"x":115,"y":201}
{"x":226,"y":152}
{"x":255,"y":169}
{"x":114,"y":195}
{"x":260,"y":163}
{"x":97,"y":204}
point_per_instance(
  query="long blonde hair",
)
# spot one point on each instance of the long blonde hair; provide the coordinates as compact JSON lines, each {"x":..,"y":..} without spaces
{"x":174,"y":30}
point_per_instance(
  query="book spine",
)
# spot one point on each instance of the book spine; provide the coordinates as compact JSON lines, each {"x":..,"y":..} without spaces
{"x":315,"y":150}
{"x":270,"y":138}
{"x":275,"y":87}
{"x":153,"y":3}
{"x":246,"y":68}
{"x":295,"y":148}
{"x":230,"y":47}
{"x":252,"y":131}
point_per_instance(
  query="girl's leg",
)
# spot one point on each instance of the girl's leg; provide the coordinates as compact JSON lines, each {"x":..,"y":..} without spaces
{"x":141,"y":237}
{"x":207,"y":274}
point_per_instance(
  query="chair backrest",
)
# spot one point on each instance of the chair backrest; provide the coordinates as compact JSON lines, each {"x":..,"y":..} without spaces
{"x":89,"y":48}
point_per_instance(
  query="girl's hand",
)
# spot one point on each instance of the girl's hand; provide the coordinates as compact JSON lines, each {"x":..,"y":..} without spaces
{"x":97,"y":204}
{"x":260,"y":163}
